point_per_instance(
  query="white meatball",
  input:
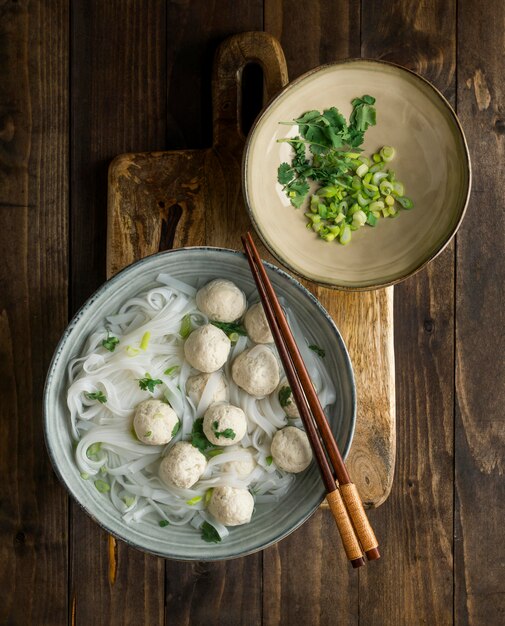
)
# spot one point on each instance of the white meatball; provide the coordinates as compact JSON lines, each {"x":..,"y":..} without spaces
{"x":183,"y":466}
{"x":196,"y":384}
{"x":155,"y":422}
{"x":291,"y":450}
{"x":224,"y":424}
{"x":256,"y":324}
{"x":231,"y":506}
{"x":256,"y":371}
{"x":221,"y":300}
{"x":244,"y":467}
{"x":207,"y":348}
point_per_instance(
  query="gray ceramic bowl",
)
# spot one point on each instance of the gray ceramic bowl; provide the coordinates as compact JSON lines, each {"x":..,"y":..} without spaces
{"x":269,"y":524}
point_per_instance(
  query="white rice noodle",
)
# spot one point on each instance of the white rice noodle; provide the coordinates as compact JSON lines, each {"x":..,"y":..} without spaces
{"x":131,"y":467}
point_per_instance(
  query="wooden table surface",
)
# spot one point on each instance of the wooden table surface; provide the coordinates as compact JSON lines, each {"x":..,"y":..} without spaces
{"x":83,"y":81}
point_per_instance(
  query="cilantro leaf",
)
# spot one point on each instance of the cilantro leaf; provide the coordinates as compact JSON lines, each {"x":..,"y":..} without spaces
{"x":227,"y":433}
{"x":110,"y":342}
{"x":163,"y":523}
{"x":148,"y":383}
{"x":285,"y":173}
{"x":285,"y":394}
{"x":363,"y":113}
{"x":198,"y":438}
{"x":96,"y":395}
{"x":319,"y":351}
{"x":209,"y":533}
{"x":230,"y":328}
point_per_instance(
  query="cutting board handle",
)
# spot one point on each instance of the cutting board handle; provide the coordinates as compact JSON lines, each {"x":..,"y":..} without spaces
{"x":231,"y":58}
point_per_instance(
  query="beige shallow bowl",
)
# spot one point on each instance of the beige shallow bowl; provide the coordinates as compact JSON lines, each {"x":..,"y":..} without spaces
{"x":431,"y":160}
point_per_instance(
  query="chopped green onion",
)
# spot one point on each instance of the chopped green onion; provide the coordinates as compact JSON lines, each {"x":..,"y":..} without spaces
{"x":194,"y":500}
{"x":129,"y":500}
{"x":387,"y":153}
{"x":102,"y":486}
{"x":130,"y":351}
{"x":186,"y":327}
{"x":405,"y":202}
{"x":213,"y":453}
{"x":208,"y":496}
{"x":164,"y":523}
{"x":398,"y":189}
{"x":269,"y":460}
{"x":345,"y":235}
{"x":362,"y":170}
{"x":93,"y":450}
{"x":145,"y":340}
{"x":171,"y":370}
{"x":84,"y":475}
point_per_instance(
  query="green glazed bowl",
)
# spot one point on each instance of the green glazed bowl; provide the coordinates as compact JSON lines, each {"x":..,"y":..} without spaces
{"x":432,"y":161}
{"x":269,"y":523}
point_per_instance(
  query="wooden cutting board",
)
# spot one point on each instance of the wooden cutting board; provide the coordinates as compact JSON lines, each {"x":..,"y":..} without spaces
{"x":162,"y":200}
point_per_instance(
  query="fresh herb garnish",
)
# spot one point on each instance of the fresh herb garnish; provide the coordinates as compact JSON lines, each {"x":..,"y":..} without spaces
{"x":186,"y":327}
{"x":232,"y":329}
{"x":149,"y":433}
{"x":148,"y":383}
{"x":285,"y":394}
{"x":102,"y":486}
{"x":269,"y":460}
{"x":209,"y":533}
{"x":176,"y":428}
{"x":227,"y":433}
{"x":208,"y":495}
{"x":84,"y":475}
{"x":110,"y":343}
{"x":93,"y":450}
{"x":319,"y":351}
{"x":198,"y":438}
{"x":96,"y":395}
{"x":171,"y":370}
{"x":194,"y":500}
{"x":212,"y":453}
{"x":163,"y":523}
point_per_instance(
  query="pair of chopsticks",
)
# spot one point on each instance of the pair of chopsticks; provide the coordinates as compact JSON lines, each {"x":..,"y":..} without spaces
{"x":342,"y":496}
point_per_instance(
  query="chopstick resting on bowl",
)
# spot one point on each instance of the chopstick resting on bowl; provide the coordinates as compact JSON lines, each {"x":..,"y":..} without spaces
{"x":343,"y":498}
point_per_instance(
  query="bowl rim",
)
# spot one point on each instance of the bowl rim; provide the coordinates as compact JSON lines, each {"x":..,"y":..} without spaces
{"x":105,"y":286}
{"x":281,"y":94}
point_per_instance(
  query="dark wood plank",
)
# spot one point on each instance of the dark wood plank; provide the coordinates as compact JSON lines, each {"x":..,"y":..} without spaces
{"x":118,"y":92}
{"x":412,"y":584}
{"x":33,"y":304}
{"x":480,"y":319}
{"x":306,"y":577}
{"x":227,"y":592}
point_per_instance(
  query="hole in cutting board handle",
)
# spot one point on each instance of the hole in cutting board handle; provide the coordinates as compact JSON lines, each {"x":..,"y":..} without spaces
{"x":251,"y":95}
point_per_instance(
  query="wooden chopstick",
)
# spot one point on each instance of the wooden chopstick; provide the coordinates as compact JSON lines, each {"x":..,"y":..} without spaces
{"x":310,"y":407}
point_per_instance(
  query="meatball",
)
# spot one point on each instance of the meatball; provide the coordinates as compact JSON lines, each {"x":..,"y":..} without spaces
{"x":256,"y":371}
{"x":291,"y":450}
{"x":183,"y":466}
{"x":221,"y":300}
{"x":231,"y":506}
{"x":155,"y":422}
{"x":207,"y":348}
{"x":244,"y":467}
{"x":196,"y":384}
{"x":256,"y":324}
{"x":224,"y":424}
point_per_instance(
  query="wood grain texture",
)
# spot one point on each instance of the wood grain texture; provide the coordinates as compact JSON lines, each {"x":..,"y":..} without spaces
{"x":229,"y":592}
{"x":416,"y":522}
{"x":118,"y":87}
{"x":480,"y":320}
{"x":33,"y":305}
{"x":293,"y":575}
